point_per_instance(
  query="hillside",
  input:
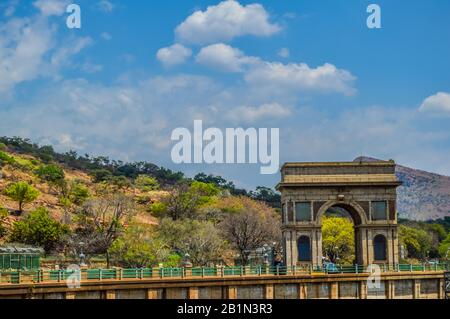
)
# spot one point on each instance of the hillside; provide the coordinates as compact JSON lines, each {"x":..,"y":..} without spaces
{"x":423,"y":195}
{"x":23,"y":169}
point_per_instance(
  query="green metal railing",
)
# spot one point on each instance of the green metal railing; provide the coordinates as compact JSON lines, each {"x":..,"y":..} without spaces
{"x":84,"y":275}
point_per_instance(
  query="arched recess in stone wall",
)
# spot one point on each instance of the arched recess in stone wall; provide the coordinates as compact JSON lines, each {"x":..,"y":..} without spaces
{"x":379,"y":248}
{"x":304,"y":252}
{"x":354,"y":209}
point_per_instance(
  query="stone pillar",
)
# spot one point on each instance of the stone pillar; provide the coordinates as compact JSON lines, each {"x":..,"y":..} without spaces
{"x":390,"y":288}
{"x":319,"y":247}
{"x":334,"y":290}
{"x":232,"y":292}
{"x":289,"y":259}
{"x":152,"y":294}
{"x":416,"y":289}
{"x":110,"y":294}
{"x":302,"y":291}
{"x":71,"y":295}
{"x":193,"y":293}
{"x":363,"y":254}
{"x":268,"y":291}
{"x":363,"y":289}
{"x":313,"y":241}
{"x":369,"y":248}
{"x":396,"y":248}
{"x":294,"y":250}
{"x":441,"y":289}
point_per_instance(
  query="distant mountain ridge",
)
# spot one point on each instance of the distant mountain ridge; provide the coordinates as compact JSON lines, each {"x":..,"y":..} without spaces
{"x":423,"y":195}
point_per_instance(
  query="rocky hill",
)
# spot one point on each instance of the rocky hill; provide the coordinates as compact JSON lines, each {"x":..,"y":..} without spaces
{"x":23,"y":169}
{"x":423,"y":195}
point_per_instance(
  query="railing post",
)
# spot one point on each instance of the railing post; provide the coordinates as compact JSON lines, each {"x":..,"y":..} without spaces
{"x":18,"y":276}
{"x":410,"y":268}
{"x":142,"y":273}
{"x":278,"y":270}
{"x":242,"y":270}
{"x":294,"y":269}
{"x":100,"y":274}
{"x":120,"y":273}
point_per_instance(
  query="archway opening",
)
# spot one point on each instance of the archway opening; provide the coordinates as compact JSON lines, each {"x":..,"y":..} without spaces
{"x":339,"y":235}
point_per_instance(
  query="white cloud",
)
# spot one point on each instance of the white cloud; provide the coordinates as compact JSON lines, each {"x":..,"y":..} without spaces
{"x":10,"y":7}
{"x":23,"y":46}
{"x":292,"y":76}
{"x":284,"y":53}
{"x":89,"y":67}
{"x":139,"y":112}
{"x":225,"y":21}
{"x":62,"y":55}
{"x":51,"y":7}
{"x":225,"y":58}
{"x":438,"y":103}
{"x":29,"y":48}
{"x":173,"y":55}
{"x":106,"y":6}
{"x":106,"y":36}
{"x":276,"y":76}
{"x":251,"y":114}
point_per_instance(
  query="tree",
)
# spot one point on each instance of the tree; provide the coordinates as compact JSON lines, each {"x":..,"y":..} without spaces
{"x":3,"y":218}
{"x":100,"y":175}
{"x":185,"y":200}
{"x":416,"y":241}
{"x":249,"y":225}
{"x":118,"y":183}
{"x":146,"y":183}
{"x":338,"y":239}
{"x":139,"y":247}
{"x":267,"y":195}
{"x":200,"y":239}
{"x":38,"y":228}
{"x":22,"y":192}
{"x":103,"y":220}
{"x":444,"y":248}
{"x":52,"y":174}
{"x":78,"y":193}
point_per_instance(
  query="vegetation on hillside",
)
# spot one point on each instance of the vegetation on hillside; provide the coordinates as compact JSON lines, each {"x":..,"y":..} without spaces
{"x":107,"y":210}
{"x":141,"y":215}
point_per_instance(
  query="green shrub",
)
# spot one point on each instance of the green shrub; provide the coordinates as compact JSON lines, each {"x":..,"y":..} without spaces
{"x":6,"y":159}
{"x":79,"y":193}
{"x":22,"y":193}
{"x":3,"y":215}
{"x":146,"y":183}
{"x":39,"y":229}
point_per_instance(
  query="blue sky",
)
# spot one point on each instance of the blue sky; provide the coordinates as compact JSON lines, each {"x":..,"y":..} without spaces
{"x":136,"y":70}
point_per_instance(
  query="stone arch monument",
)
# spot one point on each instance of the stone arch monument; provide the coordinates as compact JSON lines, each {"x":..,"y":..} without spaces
{"x":366,"y":190}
